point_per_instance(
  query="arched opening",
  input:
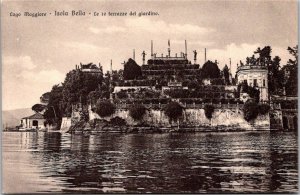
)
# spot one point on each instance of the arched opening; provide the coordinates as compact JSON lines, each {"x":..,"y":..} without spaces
{"x":295,"y":122}
{"x":35,"y":123}
{"x":285,"y":123}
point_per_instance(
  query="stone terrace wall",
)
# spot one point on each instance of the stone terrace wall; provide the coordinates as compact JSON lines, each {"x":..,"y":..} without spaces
{"x":230,"y":117}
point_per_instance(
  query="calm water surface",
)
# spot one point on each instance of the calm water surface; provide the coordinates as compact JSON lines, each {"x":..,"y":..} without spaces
{"x":201,"y":162}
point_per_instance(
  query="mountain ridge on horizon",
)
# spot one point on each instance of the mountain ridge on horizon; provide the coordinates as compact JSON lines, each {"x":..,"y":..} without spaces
{"x":11,"y":118}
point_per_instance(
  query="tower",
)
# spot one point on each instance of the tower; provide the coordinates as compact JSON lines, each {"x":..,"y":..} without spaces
{"x":256,"y":76}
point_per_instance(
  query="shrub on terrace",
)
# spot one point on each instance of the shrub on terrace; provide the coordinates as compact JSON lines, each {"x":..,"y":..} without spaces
{"x":118,"y":121}
{"x":208,"y":110}
{"x":250,"y":110}
{"x":137,"y":112}
{"x":122,"y":95}
{"x":174,"y":111}
{"x":105,"y":108}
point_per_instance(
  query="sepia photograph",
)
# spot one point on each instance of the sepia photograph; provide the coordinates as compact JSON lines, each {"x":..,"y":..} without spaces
{"x":139,"y":96}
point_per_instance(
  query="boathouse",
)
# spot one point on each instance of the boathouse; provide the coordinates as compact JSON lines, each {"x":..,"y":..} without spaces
{"x":35,"y":121}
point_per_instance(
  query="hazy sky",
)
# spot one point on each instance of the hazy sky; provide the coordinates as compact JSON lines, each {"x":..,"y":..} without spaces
{"x":38,"y":52}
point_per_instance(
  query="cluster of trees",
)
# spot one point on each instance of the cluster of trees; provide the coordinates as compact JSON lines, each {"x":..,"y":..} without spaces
{"x":78,"y":87}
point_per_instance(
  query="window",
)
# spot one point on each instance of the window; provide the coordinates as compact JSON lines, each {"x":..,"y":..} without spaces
{"x":255,"y":82}
{"x":264,"y":83}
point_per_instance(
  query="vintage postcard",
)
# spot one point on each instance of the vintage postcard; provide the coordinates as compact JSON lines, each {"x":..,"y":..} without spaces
{"x":191,"y":96}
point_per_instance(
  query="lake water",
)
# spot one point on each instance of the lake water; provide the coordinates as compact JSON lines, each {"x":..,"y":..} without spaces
{"x":157,"y":163}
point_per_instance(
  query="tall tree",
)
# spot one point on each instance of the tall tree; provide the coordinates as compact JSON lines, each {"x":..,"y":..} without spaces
{"x":264,"y":57}
{"x":292,"y":67}
{"x":38,"y":107}
{"x":210,"y":70}
{"x":54,"y":110}
{"x":294,"y":52}
{"x":131,"y":70}
{"x":275,"y":76}
{"x":45,"y":98}
{"x":226,"y":74}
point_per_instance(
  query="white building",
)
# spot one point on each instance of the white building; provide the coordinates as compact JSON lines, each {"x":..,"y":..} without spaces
{"x":35,"y":121}
{"x":255,"y":75}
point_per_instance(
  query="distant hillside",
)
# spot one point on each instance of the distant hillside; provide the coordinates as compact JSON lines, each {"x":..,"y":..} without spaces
{"x":12,"y":118}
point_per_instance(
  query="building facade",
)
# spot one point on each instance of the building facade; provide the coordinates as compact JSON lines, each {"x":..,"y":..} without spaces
{"x":35,"y":121}
{"x":256,"y":76}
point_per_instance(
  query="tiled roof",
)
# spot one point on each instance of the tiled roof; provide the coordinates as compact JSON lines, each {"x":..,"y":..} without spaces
{"x":35,"y":116}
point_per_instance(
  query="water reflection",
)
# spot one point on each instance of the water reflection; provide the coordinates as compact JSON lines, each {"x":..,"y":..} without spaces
{"x":201,"y":162}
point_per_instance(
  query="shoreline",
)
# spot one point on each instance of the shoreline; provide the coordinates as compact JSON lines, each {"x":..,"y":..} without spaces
{"x":155,"y":130}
